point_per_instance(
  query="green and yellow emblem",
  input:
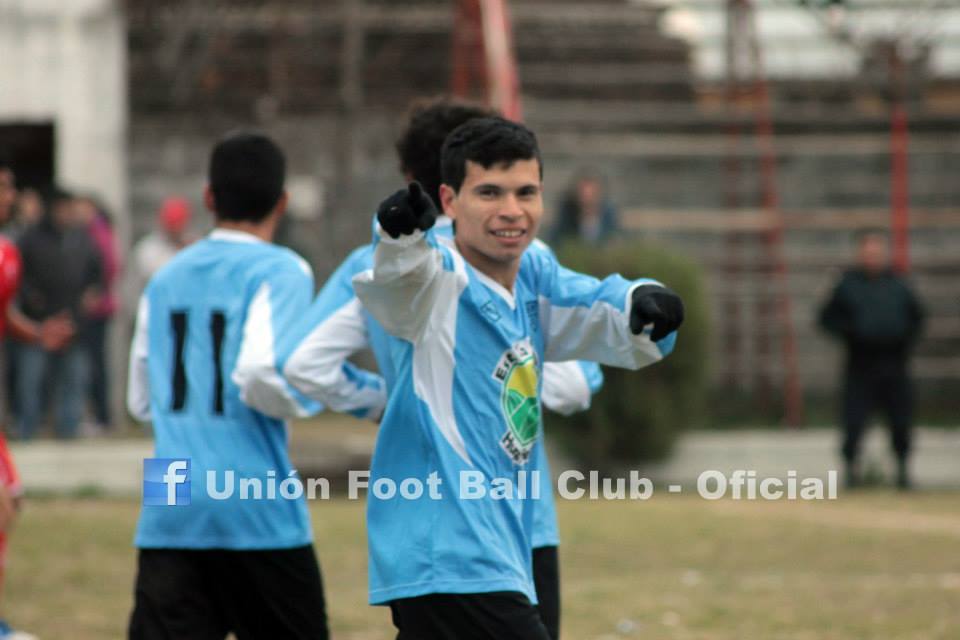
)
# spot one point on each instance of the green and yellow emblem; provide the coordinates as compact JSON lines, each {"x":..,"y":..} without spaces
{"x":519,"y":400}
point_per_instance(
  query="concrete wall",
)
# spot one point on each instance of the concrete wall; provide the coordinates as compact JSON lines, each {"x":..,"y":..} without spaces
{"x":64,"y":61}
{"x":796,"y":44}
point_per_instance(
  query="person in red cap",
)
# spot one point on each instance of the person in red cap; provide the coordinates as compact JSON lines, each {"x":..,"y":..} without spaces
{"x":173,"y":234}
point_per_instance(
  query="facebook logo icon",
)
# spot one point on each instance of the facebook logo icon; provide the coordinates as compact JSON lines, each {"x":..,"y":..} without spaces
{"x":166,"y":481}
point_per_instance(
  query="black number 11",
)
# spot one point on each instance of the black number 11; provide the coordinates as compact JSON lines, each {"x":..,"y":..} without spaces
{"x":218,"y":327}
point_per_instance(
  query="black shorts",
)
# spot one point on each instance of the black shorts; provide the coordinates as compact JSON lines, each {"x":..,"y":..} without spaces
{"x":501,"y":615}
{"x":186,"y":594}
{"x":546,"y":579}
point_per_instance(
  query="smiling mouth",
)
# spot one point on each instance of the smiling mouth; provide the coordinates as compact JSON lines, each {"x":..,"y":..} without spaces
{"x":511,"y":233}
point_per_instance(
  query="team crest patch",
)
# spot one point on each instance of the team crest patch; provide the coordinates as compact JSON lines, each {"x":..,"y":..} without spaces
{"x":517,"y":373}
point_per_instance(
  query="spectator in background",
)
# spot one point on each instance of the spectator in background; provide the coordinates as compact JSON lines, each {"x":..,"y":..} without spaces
{"x":585,"y":213}
{"x":62,"y":277}
{"x":878,"y":317}
{"x":101,"y":309}
{"x":27,"y":212}
{"x":157,"y":247}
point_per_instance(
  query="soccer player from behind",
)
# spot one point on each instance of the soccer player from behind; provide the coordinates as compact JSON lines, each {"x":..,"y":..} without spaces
{"x":206,"y":325}
{"x":336,"y":326}
{"x":470,"y":328}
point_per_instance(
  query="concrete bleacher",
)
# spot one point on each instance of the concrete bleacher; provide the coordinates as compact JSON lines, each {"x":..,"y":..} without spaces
{"x":605,"y":85}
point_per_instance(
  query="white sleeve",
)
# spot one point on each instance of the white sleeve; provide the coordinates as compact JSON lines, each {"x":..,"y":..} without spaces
{"x":317,"y":366}
{"x":138,"y":382}
{"x":589,"y":319}
{"x":565,"y":387}
{"x":407,"y":281}
{"x":261,"y":386}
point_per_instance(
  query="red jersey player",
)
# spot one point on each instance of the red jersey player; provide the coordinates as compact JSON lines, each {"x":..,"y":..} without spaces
{"x":9,"y":280}
{"x":53,"y":334}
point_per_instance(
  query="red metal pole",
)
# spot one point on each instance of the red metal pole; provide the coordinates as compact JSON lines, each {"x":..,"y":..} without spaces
{"x":900,"y":187}
{"x":899,"y":168}
{"x":793,"y":393}
{"x":467,"y":60}
{"x":733,"y":341}
{"x":483,"y":56}
{"x":503,"y":81}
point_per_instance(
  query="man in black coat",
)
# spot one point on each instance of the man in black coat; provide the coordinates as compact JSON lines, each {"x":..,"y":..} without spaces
{"x":62,"y":275}
{"x":878,"y":317}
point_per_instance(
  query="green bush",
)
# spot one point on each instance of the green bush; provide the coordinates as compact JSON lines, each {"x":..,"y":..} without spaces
{"x":638,"y":415}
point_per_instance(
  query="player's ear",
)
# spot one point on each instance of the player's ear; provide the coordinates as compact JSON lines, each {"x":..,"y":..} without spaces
{"x":447,"y":197}
{"x":208,"y":200}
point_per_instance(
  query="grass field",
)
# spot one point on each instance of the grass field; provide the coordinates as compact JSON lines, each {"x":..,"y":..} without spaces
{"x":869,"y":565}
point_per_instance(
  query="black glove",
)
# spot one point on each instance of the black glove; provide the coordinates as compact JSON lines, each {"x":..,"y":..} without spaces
{"x":406,"y":211}
{"x":656,"y":304}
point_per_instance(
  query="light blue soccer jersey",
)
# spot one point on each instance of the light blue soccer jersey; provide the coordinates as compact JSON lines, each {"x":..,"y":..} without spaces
{"x":206,"y":326}
{"x":336,"y":326}
{"x":468,"y":363}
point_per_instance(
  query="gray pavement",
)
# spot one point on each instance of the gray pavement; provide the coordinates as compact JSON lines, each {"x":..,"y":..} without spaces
{"x":811,"y":453}
{"x":114,"y":466}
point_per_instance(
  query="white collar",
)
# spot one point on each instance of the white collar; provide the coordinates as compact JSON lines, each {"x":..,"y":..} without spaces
{"x":234,"y":235}
{"x":450,"y":243}
{"x":497,"y":288}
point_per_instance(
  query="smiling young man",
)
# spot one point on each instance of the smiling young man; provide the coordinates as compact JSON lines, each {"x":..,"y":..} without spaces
{"x":471,"y":326}
{"x":497,"y":210}
{"x":311,"y":356}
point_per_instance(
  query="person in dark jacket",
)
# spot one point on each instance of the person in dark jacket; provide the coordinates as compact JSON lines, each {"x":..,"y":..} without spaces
{"x":877,"y":316}
{"x":62,"y":273}
{"x":585,"y":212}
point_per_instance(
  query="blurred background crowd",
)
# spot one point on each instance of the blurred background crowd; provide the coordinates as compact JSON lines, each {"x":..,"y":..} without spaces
{"x":71,"y":268}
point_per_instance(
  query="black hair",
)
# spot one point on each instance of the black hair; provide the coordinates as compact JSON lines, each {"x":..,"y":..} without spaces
{"x":585,"y":174}
{"x":429,"y":123}
{"x":54,"y":194}
{"x":102,"y":212}
{"x":486,"y":141}
{"x":6,"y":163}
{"x":246,"y":176}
